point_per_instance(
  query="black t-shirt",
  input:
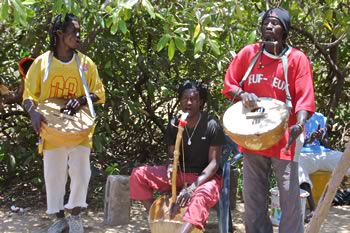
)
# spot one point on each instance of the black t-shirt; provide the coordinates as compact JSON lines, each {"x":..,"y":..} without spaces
{"x":208,"y":133}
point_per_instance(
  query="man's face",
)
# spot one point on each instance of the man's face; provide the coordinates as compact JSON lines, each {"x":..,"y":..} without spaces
{"x":190,"y":102}
{"x":272,"y":29}
{"x":71,"y":36}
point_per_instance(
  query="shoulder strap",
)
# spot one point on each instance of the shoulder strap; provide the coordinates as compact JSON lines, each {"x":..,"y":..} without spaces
{"x":86,"y":89}
{"x":285,"y":72}
{"x":250,"y":67}
{"x":49,"y":62}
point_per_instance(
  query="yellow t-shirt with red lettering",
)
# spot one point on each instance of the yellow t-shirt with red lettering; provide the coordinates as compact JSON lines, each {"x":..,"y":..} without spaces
{"x":63,"y":81}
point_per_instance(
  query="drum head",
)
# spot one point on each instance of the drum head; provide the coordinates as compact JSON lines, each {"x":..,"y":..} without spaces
{"x":50,"y":109}
{"x":259,"y":128}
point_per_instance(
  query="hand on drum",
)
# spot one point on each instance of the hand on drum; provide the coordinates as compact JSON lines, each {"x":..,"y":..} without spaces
{"x":185,"y":196}
{"x":249,"y":100}
{"x":294,"y":132}
{"x":73,"y":105}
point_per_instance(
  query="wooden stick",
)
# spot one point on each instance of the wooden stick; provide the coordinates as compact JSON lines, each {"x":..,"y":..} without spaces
{"x":328,"y":194}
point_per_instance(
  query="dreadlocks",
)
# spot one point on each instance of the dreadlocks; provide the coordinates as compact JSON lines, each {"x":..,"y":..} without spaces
{"x":59,"y":24}
{"x":196,"y":85}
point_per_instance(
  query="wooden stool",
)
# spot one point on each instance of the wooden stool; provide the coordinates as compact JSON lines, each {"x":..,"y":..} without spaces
{"x":319,"y":181}
{"x":117,"y":202}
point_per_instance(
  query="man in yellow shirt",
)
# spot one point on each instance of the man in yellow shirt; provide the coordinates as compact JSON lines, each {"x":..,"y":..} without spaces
{"x":65,"y":73}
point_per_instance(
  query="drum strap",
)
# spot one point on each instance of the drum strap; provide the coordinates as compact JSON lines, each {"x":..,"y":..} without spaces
{"x":284,"y":59}
{"x":82,"y":76}
{"x":86,"y":88}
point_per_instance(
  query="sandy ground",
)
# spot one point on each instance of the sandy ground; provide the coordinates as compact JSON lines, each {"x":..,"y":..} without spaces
{"x":36,"y":221}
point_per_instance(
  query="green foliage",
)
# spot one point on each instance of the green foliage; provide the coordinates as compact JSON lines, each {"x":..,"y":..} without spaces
{"x":144,"y":49}
{"x":112,"y":169}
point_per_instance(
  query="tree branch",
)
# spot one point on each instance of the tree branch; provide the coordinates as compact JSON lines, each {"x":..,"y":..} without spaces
{"x":321,"y":49}
{"x":334,"y":43}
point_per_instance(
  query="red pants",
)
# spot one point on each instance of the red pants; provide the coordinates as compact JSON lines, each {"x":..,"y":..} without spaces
{"x":144,"y":180}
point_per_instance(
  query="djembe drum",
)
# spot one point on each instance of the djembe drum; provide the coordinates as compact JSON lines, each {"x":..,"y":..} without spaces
{"x":62,"y":129}
{"x":259,"y":128}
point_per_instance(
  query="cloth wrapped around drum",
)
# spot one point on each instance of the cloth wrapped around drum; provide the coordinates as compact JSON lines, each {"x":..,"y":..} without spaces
{"x":62,"y":129}
{"x":259,"y":128}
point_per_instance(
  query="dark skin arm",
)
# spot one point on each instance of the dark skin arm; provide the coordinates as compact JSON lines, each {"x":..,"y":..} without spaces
{"x":213,"y":166}
{"x":36,"y":118}
{"x":298,"y":128}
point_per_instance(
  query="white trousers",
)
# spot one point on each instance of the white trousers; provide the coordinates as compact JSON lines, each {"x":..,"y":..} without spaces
{"x":58,"y":164}
{"x":312,"y":162}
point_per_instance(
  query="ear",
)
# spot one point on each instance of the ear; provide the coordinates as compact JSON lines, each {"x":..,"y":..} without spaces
{"x":59,"y":33}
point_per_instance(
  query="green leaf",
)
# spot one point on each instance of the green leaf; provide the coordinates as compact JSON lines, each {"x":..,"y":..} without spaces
{"x":328,"y":26}
{"x":160,"y":16}
{"x":214,"y":29}
{"x":19,"y":8}
{"x":122,"y":26}
{"x":68,"y":4}
{"x":29,"y":2}
{"x":162,"y":42}
{"x":238,"y":12}
{"x":171,"y":50}
{"x":125,"y":14}
{"x":181,"y":29}
{"x":115,"y":16}
{"x":180,"y":44}
{"x":205,"y":19}
{"x":196,"y":31}
{"x":114,"y":28}
{"x":4,"y":9}
{"x":149,"y":8}
{"x":214,"y":46}
{"x":129,"y":4}
{"x":57,"y":6}
{"x":252,"y":37}
{"x":329,"y":15}
{"x":108,"y":9}
{"x":199,"y":43}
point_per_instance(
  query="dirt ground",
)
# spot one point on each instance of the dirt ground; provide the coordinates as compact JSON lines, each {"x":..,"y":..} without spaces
{"x":36,"y":221}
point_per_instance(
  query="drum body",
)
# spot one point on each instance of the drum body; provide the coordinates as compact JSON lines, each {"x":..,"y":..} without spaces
{"x":259,"y":128}
{"x":162,"y":219}
{"x":61,"y":129}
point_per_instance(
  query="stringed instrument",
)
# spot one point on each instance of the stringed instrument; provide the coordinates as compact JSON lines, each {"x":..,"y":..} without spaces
{"x":259,"y":128}
{"x":165,"y":216}
{"x":63,"y":129}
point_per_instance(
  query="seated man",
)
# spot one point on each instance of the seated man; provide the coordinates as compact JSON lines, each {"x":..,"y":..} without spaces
{"x":316,"y":155}
{"x":199,"y":161}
